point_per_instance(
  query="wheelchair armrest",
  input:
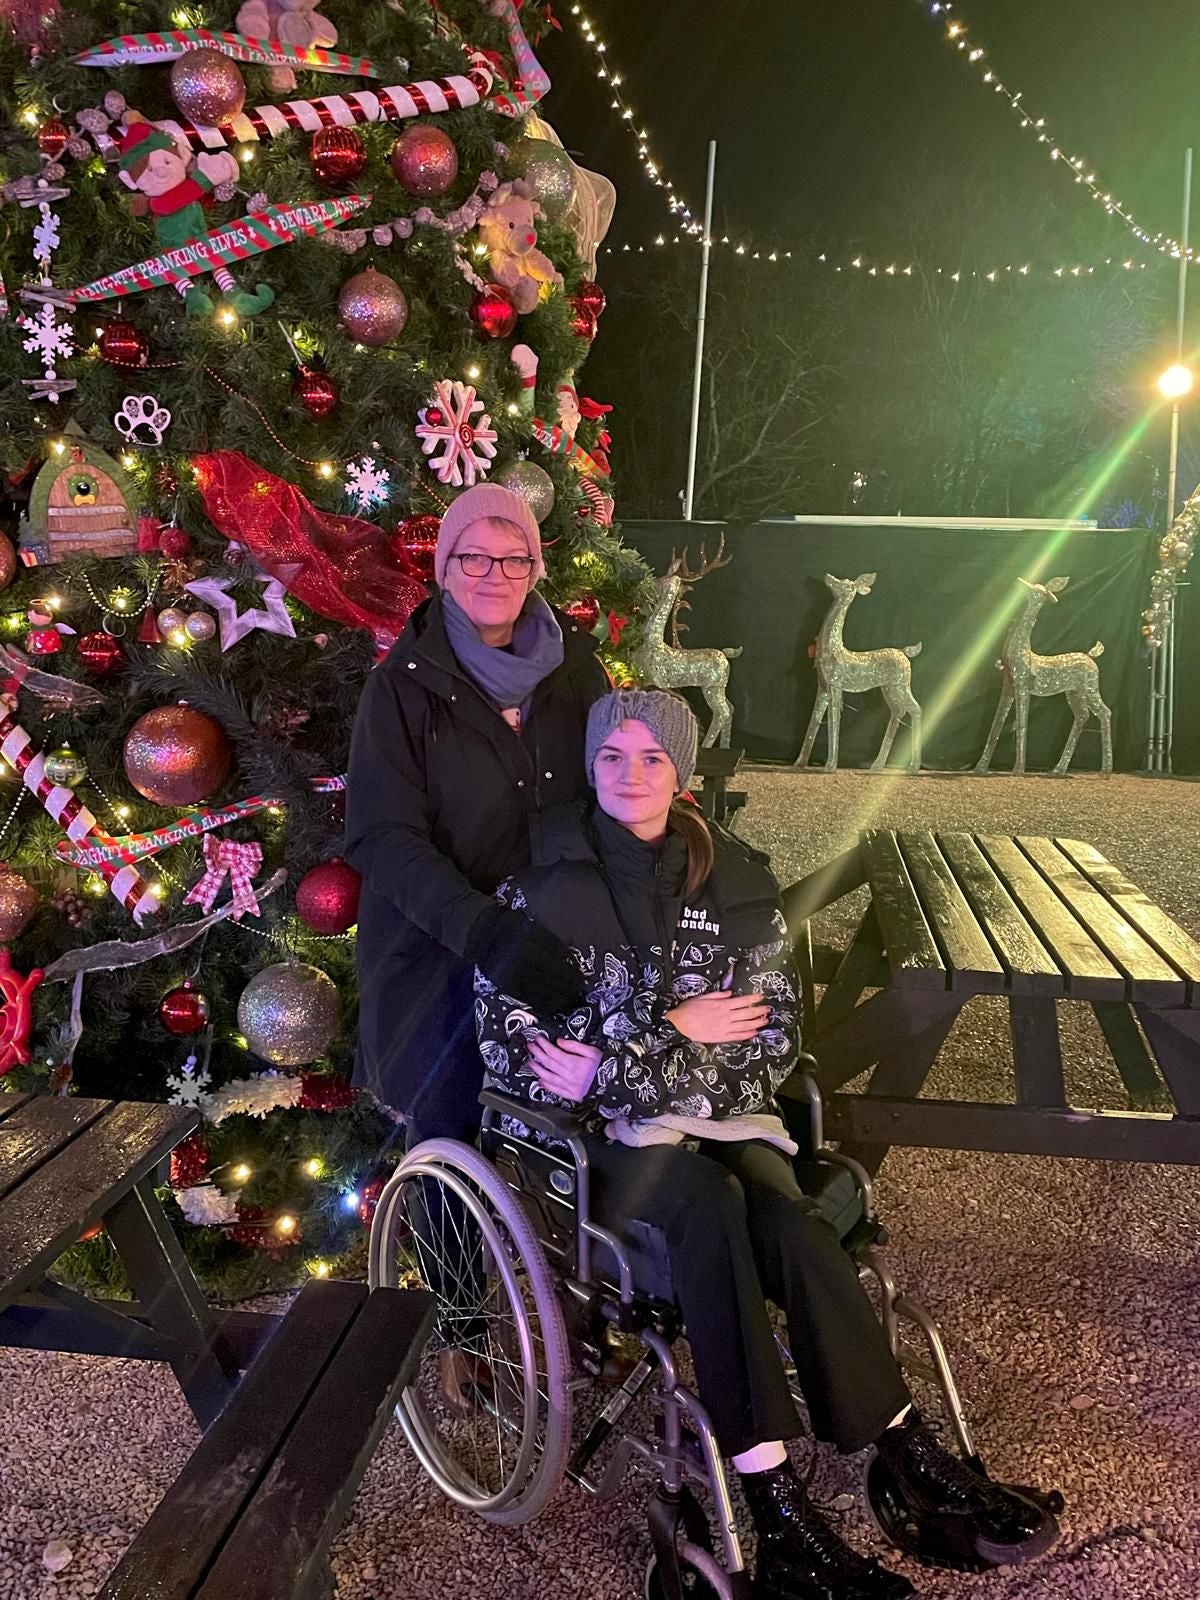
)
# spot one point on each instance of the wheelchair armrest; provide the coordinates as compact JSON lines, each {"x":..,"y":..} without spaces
{"x":557,"y":1122}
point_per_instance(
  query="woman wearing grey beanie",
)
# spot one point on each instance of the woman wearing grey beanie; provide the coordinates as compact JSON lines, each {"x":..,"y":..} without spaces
{"x":688,"y":1027}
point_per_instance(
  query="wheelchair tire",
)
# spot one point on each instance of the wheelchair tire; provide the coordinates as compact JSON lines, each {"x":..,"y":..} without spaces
{"x":513,"y":1332}
{"x":703,"y":1576}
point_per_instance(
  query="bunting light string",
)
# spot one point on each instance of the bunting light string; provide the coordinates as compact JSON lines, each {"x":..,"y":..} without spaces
{"x":975,"y":56}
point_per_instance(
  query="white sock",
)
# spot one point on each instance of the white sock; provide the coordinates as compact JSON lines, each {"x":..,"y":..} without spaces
{"x":762,"y":1457}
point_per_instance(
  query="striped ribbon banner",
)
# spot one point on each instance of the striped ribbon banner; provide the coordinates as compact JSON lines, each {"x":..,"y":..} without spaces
{"x":142,"y":49}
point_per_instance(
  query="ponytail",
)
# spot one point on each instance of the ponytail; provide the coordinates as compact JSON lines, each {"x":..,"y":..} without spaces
{"x":689,"y":822}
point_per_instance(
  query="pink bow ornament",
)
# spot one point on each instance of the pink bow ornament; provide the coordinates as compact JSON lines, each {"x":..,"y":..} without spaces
{"x":241,"y":862}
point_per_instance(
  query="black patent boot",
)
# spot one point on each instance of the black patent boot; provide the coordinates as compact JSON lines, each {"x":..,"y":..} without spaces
{"x":800,"y":1557}
{"x":949,"y":1514}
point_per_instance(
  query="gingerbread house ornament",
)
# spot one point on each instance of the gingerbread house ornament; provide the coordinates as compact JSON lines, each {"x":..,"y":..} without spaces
{"x":82,"y":504}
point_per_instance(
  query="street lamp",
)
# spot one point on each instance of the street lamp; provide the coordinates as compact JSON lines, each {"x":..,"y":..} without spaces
{"x":1175,"y":385}
{"x":1176,"y":381}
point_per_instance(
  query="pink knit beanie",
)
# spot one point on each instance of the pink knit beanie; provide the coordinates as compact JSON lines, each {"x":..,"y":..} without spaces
{"x":484,"y":501}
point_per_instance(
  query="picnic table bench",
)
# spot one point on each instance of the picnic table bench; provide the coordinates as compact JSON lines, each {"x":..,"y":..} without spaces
{"x":65,"y":1165}
{"x":254,"y":1512}
{"x":1035,"y":921}
{"x":714,"y":768}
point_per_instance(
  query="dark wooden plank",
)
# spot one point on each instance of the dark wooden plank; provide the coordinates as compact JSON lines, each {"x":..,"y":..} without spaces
{"x":280,"y":1546}
{"x":1151,"y":978}
{"x":38,"y":1130}
{"x":1162,"y":931}
{"x":47,"y":1212}
{"x":862,"y":967}
{"x":715,"y":763}
{"x":970,"y":959}
{"x":1133,"y":1059}
{"x":57,"y":1318}
{"x":1037,"y":1051}
{"x":9,"y":1101}
{"x":907,"y":1064}
{"x":1031,"y":967}
{"x":913,"y":955}
{"x":1015,"y":1130}
{"x":869,"y":1033}
{"x":1089,"y":974}
{"x":1175,"y":1039}
{"x":822,"y":888}
{"x":173,"y":1552}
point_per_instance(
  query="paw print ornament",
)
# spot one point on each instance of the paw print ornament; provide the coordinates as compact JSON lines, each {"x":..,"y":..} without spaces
{"x":141,"y":420}
{"x":461,"y":445}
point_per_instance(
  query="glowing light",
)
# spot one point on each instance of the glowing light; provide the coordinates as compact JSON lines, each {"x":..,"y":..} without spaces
{"x":473,"y":373}
{"x":59,"y":446}
{"x":31,"y":115}
{"x":326,"y":469}
{"x":1176,"y":381}
{"x":286,"y":1224}
{"x":128,"y":460}
{"x":227,"y":317}
{"x":242,"y":1173}
{"x":351,"y":1200}
{"x":123,"y":812}
{"x":319,"y":1269}
{"x":314,"y":1167}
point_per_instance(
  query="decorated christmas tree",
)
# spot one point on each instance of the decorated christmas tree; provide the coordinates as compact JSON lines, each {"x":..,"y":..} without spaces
{"x":273,"y":296}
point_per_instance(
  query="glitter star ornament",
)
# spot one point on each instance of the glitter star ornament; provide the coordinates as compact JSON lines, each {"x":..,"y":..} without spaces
{"x":460,"y":448}
{"x":366,"y":483}
{"x":235,"y":624}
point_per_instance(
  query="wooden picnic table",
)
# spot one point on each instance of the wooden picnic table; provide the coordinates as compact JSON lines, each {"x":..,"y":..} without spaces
{"x":66,"y":1164}
{"x":1035,"y":921}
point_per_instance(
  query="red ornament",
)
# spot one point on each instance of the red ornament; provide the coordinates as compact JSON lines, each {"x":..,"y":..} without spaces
{"x":52,"y":137}
{"x":100,"y":653}
{"x":369,"y":1200}
{"x":123,"y":345}
{"x":337,"y":155}
{"x":183,"y":1010}
{"x":43,"y":641}
{"x":591,"y":297}
{"x":425,"y":160}
{"x":316,"y":392}
{"x":493,"y":312}
{"x":327,"y":898}
{"x":256,"y":1228}
{"x":585,"y":611}
{"x":433,"y":416}
{"x":94,"y":1232}
{"x":175,"y":542}
{"x":189,"y":1161}
{"x":583,"y":323}
{"x":415,"y":542}
{"x":320,"y":1091}
{"x":616,"y":627}
{"x":166,"y":479}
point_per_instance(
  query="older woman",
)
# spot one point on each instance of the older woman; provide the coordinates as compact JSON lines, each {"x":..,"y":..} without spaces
{"x":470,"y":728}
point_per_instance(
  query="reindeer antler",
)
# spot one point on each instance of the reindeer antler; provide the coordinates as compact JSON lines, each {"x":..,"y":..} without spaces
{"x":679,"y":564}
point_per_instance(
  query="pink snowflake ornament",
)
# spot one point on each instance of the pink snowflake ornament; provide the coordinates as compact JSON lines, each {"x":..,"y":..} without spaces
{"x":461,"y":449}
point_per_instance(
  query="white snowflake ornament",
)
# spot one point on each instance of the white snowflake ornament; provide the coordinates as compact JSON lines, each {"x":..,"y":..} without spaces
{"x":366,"y":483}
{"x":187,"y":1086}
{"x":461,"y":450}
{"x":46,"y":237}
{"x":49,"y":338}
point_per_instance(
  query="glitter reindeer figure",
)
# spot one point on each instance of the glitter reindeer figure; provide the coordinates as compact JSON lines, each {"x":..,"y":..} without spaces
{"x":667,"y":666}
{"x":1026,"y":674}
{"x":842,"y":671}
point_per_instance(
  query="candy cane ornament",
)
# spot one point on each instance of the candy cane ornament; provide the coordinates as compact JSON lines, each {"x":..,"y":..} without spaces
{"x":16,"y":1013}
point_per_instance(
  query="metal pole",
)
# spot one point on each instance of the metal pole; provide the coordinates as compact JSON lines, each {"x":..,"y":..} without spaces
{"x":698,"y":373}
{"x":1173,"y":476}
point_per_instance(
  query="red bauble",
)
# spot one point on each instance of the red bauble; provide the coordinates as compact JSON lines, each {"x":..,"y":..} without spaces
{"x":369,"y":1200}
{"x":585,"y":611}
{"x":319,"y":1091}
{"x":493,"y":312}
{"x":316,"y":392}
{"x":52,"y":137}
{"x":189,"y":1161}
{"x":583,"y":323}
{"x":43,"y":641}
{"x":337,"y":155}
{"x":591,"y":297}
{"x":183,"y":1010}
{"x":256,"y":1229}
{"x":175,"y":542}
{"x":425,"y":160}
{"x":433,"y":416}
{"x":327,"y":898}
{"x":414,"y":543}
{"x":123,"y":345}
{"x":100,"y":653}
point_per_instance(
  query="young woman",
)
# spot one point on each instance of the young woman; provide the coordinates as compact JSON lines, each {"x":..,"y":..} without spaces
{"x":688,"y":1027}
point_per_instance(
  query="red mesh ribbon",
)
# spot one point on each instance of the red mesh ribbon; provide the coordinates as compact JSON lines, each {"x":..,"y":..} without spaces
{"x":340,"y":567}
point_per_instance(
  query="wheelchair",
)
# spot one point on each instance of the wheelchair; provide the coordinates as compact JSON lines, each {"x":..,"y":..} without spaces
{"x":529,"y":1282}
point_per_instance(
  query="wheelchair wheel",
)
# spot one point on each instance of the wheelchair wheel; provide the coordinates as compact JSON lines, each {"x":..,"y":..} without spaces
{"x":448,"y":1222}
{"x":701,"y":1575}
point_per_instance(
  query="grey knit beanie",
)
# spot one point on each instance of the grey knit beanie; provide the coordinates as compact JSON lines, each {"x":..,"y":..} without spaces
{"x":668,"y":716}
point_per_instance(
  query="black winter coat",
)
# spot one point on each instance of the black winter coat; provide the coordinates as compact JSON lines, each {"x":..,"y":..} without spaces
{"x":643,"y":946}
{"x":443,"y":801}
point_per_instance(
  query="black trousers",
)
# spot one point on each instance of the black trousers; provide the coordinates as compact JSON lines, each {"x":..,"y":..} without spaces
{"x":740,"y":1231}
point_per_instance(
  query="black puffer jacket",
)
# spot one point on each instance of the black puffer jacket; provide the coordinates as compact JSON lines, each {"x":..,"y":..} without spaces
{"x":643,"y":946}
{"x":444,"y":800}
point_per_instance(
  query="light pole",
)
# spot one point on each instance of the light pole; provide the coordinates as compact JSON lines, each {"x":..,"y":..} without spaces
{"x":1176,"y":383}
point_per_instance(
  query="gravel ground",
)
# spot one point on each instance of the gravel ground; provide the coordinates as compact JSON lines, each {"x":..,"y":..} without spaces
{"x":1069,"y":1294}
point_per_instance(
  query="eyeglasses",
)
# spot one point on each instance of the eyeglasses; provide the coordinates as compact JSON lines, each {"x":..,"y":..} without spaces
{"x":476,"y":565}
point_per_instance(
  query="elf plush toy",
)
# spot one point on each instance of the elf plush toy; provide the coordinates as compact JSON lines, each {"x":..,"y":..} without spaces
{"x":172,"y":188}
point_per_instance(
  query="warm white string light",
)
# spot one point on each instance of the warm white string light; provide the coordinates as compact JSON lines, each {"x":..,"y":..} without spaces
{"x":975,"y":55}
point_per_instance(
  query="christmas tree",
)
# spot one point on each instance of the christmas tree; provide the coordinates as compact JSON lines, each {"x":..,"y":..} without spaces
{"x":272,"y":298}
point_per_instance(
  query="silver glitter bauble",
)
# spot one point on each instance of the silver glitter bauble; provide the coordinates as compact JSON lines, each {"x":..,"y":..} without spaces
{"x":201,"y":625}
{"x":65,"y":766}
{"x":549,"y":172}
{"x":207,"y":86}
{"x":290,"y":1013}
{"x":532,"y":483}
{"x":372,"y":308}
{"x":170,"y":620}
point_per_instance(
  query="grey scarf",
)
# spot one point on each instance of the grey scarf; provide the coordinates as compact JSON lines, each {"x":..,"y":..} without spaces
{"x":507,"y":677}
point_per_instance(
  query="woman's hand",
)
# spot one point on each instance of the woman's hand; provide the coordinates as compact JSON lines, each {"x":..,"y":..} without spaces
{"x":567,"y":1068}
{"x":720,"y":1017}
